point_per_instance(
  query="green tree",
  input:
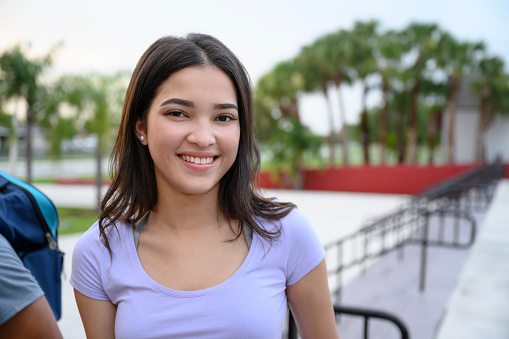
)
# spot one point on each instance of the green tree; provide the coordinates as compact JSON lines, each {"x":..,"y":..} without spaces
{"x":421,"y":42}
{"x":278,"y":120}
{"x":388,"y":53}
{"x":21,"y":77}
{"x":434,"y":97}
{"x":291,"y":143}
{"x":276,"y":96}
{"x":317,"y":74}
{"x":400,"y":103}
{"x":97,"y":100}
{"x":281,"y":86}
{"x":365,"y":37}
{"x":107,"y":96}
{"x":337,"y":51}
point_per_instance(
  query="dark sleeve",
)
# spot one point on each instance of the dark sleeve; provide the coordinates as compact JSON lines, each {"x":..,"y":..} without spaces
{"x":18,"y":288}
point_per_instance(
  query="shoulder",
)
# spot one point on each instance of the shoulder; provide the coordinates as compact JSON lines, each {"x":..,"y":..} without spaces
{"x":91,"y":251}
{"x":11,"y":265}
{"x":90,"y":259}
{"x":90,"y":241}
{"x":88,"y":252}
{"x":296,"y":225}
{"x":303,"y":248}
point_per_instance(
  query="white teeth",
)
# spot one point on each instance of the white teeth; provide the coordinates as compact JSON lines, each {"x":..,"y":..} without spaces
{"x":198,"y":161}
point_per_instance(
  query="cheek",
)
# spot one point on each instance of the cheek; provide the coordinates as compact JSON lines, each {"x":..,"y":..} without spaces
{"x":234,"y":144}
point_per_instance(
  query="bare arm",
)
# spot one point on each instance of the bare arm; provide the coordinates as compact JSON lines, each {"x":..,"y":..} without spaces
{"x":311,"y":305}
{"x":98,"y":316}
{"x":34,"y":321}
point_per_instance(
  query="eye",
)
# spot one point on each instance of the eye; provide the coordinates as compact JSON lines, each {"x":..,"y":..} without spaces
{"x":225,"y":118}
{"x":175,"y":114}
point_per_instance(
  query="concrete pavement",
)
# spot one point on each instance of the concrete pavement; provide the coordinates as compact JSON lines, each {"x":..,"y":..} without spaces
{"x":479,"y":306}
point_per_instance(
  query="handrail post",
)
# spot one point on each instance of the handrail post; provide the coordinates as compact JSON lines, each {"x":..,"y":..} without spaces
{"x":424,"y":251}
{"x":339,"y":275}
{"x":292,"y":327}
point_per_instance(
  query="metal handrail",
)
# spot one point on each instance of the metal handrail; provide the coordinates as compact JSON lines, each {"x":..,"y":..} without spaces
{"x":410,"y":224}
{"x":368,"y":314}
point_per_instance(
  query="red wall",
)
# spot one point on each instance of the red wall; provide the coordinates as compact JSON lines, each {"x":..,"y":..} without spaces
{"x":373,"y":179}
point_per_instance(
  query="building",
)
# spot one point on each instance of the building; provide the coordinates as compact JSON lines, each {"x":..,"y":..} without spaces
{"x":466,"y":124}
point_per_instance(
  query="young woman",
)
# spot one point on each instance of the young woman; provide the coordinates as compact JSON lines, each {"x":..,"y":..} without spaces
{"x":186,"y":246}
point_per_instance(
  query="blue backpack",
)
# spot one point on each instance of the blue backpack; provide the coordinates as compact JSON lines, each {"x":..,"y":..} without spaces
{"x":29,"y":221}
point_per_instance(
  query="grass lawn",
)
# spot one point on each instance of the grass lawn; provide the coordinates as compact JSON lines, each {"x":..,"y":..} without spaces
{"x":75,"y":220}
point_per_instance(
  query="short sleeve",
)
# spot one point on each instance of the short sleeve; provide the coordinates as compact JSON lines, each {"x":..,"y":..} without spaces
{"x":18,"y":288}
{"x":304,"y":250}
{"x":87,"y":264}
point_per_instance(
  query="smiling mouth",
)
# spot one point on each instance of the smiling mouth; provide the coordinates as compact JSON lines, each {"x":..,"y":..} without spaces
{"x":196,"y":160}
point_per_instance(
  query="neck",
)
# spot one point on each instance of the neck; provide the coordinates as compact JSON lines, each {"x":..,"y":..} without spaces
{"x":183,"y":213}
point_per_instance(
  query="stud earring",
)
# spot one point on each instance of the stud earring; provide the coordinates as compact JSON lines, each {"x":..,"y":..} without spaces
{"x":142,"y":138}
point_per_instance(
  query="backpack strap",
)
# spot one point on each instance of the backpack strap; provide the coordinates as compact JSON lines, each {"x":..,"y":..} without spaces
{"x":249,"y":236}
{"x":139,"y":228}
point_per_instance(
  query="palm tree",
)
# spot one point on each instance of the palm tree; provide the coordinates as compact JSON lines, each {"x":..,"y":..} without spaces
{"x":337,"y":51}
{"x":275,"y":96}
{"x":421,"y":42}
{"x":365,"y":38}
{"x":282,"y":86}
{"x":455,"y":58}
{"x":434,"y":95}
{"x":276,"y":102}
{"x":107,"y":97}
{"x":22,"y":79}
{"x":388,"y":53}
{"x":316,"y":72}
{"x":98,"y":100}
{"x":399,"y":103}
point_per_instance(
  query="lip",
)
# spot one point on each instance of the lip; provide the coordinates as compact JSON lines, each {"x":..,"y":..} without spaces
{"x":211,"y":158}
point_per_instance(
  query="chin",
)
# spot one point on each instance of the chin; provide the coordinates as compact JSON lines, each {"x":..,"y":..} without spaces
{"x":201,"y":190}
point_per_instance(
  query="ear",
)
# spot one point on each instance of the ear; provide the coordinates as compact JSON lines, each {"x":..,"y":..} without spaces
{"x":141,"y":131}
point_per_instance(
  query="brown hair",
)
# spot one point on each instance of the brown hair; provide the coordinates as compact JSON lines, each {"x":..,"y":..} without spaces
{"x":133,"y":191}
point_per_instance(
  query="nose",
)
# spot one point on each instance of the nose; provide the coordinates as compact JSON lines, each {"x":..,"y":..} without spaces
{"x":202,"y":134}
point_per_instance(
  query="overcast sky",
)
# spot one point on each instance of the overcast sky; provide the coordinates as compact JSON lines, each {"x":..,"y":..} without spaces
{"x":110,"y":35}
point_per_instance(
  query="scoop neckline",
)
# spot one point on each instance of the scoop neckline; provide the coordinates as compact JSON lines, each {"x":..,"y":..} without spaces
{"x":184,"y":294}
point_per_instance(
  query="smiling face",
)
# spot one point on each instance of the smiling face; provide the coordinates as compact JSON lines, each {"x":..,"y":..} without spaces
{"x":192,"y":130}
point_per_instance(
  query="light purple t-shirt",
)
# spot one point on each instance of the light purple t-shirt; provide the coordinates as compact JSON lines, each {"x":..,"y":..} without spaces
{"x":250,"y":304}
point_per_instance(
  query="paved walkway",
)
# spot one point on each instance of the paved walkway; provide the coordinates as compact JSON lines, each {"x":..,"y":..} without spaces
{"x":466,"y":290}
{"x":392,"y":285}
{"x":479,"y":306}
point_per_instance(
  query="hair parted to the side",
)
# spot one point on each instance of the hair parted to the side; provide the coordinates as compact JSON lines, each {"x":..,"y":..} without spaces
{"x":133,"y":190}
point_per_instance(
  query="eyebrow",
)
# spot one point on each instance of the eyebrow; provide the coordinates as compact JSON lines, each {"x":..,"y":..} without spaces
{"x":226,"y":106}
{"x":188,"y":103}
{"x":181,"y":102}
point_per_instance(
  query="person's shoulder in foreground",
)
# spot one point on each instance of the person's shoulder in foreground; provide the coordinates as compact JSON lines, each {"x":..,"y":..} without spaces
{"x":24,"y":310}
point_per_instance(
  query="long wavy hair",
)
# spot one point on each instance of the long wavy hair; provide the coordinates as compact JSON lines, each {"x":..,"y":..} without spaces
{"x":133,"y":191}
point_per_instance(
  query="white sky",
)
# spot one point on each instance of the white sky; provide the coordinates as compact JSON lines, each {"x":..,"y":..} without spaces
{"x":110,"y":35}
